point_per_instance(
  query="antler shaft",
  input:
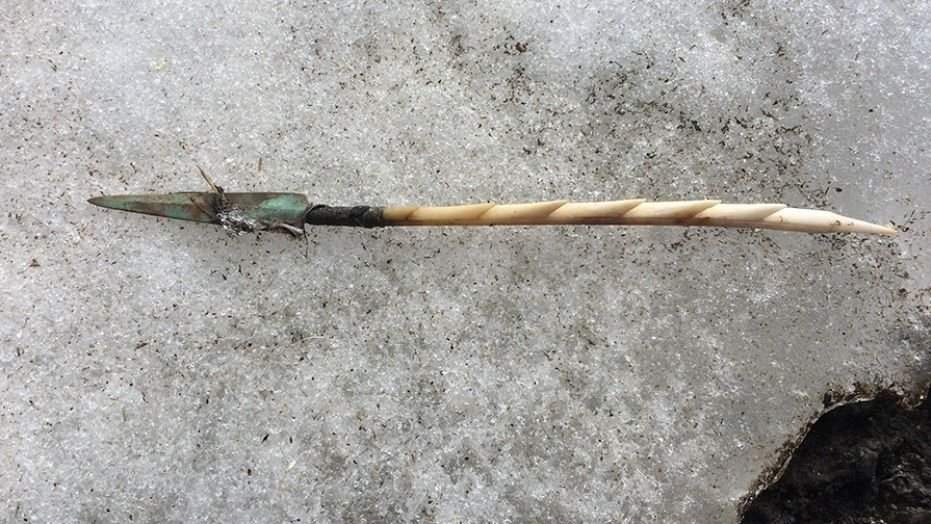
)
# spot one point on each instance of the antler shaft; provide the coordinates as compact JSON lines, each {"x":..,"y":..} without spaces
{"x":628,"y":212}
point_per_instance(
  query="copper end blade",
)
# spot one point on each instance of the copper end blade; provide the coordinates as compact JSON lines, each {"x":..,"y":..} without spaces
{"x":268,"y":209}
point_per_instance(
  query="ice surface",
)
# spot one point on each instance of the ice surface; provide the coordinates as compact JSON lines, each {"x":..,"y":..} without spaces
{"x":162,"y":372}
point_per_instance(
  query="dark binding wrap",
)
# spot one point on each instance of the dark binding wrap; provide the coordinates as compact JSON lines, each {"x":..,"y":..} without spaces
{"x":357,"y":216}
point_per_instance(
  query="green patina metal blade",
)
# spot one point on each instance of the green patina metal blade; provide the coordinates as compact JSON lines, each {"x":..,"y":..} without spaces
{"x":268,"y":209}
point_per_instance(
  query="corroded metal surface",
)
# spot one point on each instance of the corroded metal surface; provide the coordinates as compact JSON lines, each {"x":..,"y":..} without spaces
{"x":270,"y":210}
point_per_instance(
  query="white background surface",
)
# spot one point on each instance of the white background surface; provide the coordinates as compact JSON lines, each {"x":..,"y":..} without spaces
{"x":159,"y":371}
